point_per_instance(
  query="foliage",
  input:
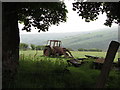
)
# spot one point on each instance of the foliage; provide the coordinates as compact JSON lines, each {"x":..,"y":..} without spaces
{"x":90,"y":11}
{"x":95,"y":50}
{"x":81,"y":49}
{"x":33,"y":47}
{"x":23,"y":46}
{"x":92,"y":49}
{"x":41,"y":15}
{"x":113,"y":80}
{"x":76,"y":54}
{"x":45,"y":72}
{"x":51,"y":73}
{"x":97,"y":39}
{"x":70,"y":49}
{"x":38,"y":47}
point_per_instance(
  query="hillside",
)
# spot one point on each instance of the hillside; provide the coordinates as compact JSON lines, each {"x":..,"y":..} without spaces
{"x":95,"y":39}
{"x":41,"y":38}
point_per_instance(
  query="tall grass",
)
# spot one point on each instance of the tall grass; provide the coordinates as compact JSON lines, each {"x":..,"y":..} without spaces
{"x":76,"y":54}
{"x":46,"y":72}
{"x":81,"y":54}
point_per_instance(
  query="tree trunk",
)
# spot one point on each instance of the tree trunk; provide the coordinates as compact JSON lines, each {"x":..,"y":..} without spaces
{"x":10,"y":43}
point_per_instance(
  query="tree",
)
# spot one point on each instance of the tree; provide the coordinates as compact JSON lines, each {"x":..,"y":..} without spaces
{"x":90,"y":11}
{"x":81,"y":49}
{"x":95,"y":50}
{"x":23,"y":46}
{"x":70,"y":49}
{"x":33,"y":46}
{"x":38,"y":47}
{"x":40,"y":15}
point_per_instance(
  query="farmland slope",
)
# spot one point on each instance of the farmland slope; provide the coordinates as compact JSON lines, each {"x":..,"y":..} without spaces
{"x":96,"y":39}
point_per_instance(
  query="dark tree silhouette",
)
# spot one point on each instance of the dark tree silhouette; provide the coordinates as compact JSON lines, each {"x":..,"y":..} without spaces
{"x":40,"y":15}
{"x":90,"y":11}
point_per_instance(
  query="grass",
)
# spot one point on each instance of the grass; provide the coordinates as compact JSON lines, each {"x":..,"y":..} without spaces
{"x":37,"y":71}
{"x":76,"y":54}
{"x":46,"y":73}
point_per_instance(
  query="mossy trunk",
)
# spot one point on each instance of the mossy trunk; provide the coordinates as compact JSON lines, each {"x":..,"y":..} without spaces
{"x":10,"y":43}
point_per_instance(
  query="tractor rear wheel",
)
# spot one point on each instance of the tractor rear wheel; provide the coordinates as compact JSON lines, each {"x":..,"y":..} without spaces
{"x":47,"y":51}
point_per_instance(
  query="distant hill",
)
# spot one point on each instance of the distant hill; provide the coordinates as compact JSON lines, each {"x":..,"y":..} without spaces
{"x":96,"y":39}
{"x":41,"y":38}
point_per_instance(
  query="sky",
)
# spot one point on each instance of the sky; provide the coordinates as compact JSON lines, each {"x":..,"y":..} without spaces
{"x":74,"y":23}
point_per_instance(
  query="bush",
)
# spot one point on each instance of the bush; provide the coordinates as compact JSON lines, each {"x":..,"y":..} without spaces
{"x":39,"y":47}
{"x":70,"y":49}
{"x":23,"y":46}
{"x":81,"y":49}
{"x":93,"y":50}
{"x":113,"y":79}
{"x":33,"y":47}
{"x":45,"y":72}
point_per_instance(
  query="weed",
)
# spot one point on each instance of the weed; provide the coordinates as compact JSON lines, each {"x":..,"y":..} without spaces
{"x":48,"y":72}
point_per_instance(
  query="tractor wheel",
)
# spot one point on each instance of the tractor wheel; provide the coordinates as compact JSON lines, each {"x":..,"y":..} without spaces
{"x":47,"y":51}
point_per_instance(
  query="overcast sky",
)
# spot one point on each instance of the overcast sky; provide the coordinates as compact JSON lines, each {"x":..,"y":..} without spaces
{"x":74,"y":23}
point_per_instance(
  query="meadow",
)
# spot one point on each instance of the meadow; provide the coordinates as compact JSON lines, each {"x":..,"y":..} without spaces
{"x":76,"y":54}
{"x":38,"y":71}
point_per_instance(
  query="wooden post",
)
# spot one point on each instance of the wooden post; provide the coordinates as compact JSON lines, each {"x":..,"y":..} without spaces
{"x":112,"y":50}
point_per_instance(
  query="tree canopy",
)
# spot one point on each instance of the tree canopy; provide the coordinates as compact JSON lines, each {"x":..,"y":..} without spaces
{"x":38,"y":14}
{"x":41,"y":15}
{"x":90,"y":11}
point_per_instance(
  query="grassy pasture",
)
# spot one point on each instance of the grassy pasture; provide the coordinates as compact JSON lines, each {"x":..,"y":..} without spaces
{"x":37,"y":71}
{"x":76,"y":54}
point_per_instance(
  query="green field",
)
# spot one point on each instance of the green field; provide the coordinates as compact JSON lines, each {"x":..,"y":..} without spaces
{"x":76,"y":54}
{"x":38,"y":71}
{"x":100,"y":38}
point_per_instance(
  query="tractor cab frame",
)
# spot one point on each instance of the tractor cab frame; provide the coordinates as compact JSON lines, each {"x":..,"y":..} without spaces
{"x":54,"y":48}
{"x":53,"y":43}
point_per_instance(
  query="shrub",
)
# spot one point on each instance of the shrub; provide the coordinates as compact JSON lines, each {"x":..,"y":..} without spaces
{"x":93,"y":49}
{"x":23,"y":46}
{"x":39,"y":47}
{"x":33,"y":47}
{"x":45,"y":72}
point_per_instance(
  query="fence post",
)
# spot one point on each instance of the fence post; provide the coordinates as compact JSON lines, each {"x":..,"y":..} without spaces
{"x":112,"y":50}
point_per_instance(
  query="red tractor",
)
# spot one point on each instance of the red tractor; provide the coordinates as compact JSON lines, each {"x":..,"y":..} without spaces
{"x":53,"y":48}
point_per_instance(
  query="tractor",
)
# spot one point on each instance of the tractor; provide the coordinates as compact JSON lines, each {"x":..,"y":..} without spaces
{"x":54,"y":48}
